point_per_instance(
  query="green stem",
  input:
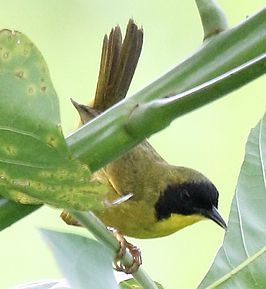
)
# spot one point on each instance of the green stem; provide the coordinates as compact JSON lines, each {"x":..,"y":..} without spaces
{"x":226,"y":51}
{"x":106,"y":137}
{"x":161,"y":112}
{"x":98,"y":229}
{"x":212,"y":17}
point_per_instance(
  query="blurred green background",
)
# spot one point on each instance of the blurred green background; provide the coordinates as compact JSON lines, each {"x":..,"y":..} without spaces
{"x":212,"y":140}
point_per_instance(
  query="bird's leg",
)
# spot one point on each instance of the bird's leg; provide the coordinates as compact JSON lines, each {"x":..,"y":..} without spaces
{"x":124,"y":246}
{"x":133,"y":250}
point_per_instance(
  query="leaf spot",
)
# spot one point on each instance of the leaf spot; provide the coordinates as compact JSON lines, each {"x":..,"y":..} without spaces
{"x":38,"y":186}
{"x":61,"y":174}
{"x":26,"y":52}
{"x":21,"y":182}
{"x":10,"y":150}
{"x":3,"y":175}
{"x":31,"y":89}
{"x":43,"y":88}
{"x":51,"y":141}
{"x":23,"y":198}
{"x":6,"y":56}
{"x":20,"y":74}
{"x":46,"y":174}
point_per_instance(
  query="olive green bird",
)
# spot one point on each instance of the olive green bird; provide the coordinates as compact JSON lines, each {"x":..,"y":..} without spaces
{"x":164,"y":198}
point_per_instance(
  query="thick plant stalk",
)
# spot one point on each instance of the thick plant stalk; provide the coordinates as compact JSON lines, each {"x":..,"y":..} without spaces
{"x":98,"y":229}
{"x":212,"y":18}
{"x":124,"y":126}
{"x":222,"y":53}
{"x":161,"y":112}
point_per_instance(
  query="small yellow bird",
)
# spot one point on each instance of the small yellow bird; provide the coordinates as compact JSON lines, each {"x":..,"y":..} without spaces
{"x":165,"y":198}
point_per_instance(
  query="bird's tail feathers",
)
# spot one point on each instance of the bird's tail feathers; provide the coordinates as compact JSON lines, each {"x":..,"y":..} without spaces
{"x":119,"y":60}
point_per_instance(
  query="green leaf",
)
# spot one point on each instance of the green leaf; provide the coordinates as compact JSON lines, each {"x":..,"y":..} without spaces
{"x":241,"y":261}
{"x":132,"y":284}
{"x":35,"y":164}
{"x":10,"y":210}
{"x":45,"y":284}
{"x":85,"y":263}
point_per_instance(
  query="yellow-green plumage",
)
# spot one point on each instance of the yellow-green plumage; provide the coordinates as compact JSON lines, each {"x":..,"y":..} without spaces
{"x":165,"y":198}
{"x":145,"y":174}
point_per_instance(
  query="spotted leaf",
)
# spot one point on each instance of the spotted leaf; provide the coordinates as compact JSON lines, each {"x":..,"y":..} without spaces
{"x":35,"y":164}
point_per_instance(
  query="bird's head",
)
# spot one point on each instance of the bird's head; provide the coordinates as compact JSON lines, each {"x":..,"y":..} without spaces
{"x":195,"y":197}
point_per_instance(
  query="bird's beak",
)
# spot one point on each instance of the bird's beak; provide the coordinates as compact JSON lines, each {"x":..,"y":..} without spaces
{"x":214,"y":215}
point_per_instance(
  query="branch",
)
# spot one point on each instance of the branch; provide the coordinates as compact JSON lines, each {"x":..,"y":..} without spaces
{"x":212,"y":18}
{"x":161,"y":112}
{"x":98,"y":229}
{"x":106,"y":137}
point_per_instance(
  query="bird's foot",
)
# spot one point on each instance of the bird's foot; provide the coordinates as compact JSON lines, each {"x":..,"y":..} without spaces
{"x":124,"y":246}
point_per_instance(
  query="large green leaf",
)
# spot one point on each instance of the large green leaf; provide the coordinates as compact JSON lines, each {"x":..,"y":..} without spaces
{"x":10,"y":210}
{"x":35,"y":164}
{"x":85,"y":263}
{"x":241,"y":261}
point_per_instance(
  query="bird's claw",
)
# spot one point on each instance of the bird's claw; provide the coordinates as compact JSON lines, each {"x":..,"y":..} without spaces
{"x":124,"y":246}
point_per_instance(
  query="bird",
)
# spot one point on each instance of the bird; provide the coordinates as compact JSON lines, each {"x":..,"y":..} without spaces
{"x":162,"y":198}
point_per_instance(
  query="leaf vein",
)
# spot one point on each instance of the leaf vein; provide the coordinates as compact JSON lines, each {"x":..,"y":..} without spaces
{"x":242,"y":233}
{"x":237,"y":269}
{"x":20,"y":131}
{"x":241,"y":225}
{"x":227,"y":257}
{"x":22,"y":163}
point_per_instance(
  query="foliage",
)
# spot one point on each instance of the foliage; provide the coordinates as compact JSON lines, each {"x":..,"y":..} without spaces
{"x":85,"y":262}
{"x":240,"y":263}
{"x":35,"y":164}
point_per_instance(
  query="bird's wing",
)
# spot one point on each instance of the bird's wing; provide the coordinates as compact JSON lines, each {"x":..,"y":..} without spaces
{"x":118,"y":63}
